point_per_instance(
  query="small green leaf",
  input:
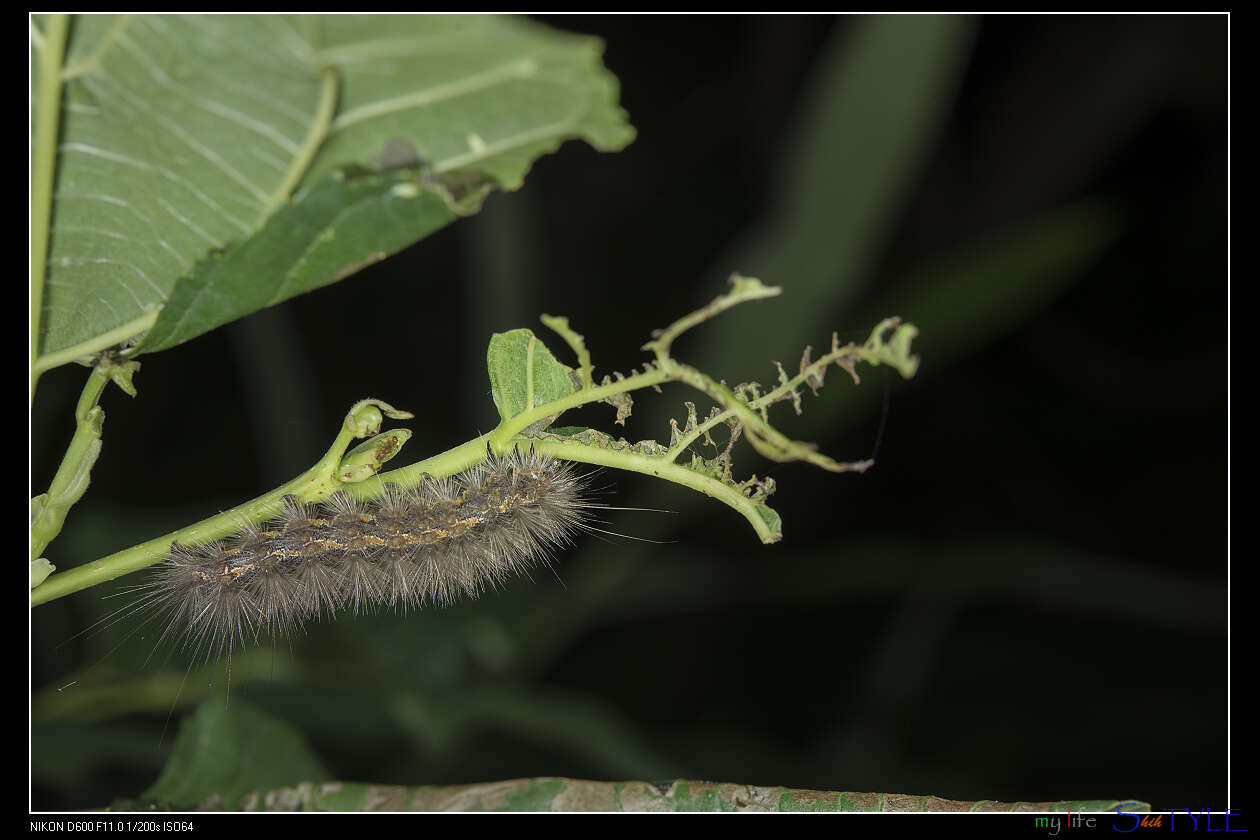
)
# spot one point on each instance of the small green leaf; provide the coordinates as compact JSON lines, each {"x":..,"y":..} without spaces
{"x":224,"y":753}
{"x":524,"y":374}
{"x":774,"y":525}
{"x":365,"y":417}
{"x":366,"y":459}
{"x":40,"y":569}
{"x":120,"y":373}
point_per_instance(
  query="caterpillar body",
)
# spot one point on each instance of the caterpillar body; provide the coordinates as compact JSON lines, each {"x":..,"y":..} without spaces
{"x":431,"y":544}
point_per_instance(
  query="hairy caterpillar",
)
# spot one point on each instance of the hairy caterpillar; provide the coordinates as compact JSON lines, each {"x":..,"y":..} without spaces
{"x":431,"y":544}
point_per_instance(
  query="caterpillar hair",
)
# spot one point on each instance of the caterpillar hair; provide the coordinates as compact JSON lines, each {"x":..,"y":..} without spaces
{"x":428,"y":545}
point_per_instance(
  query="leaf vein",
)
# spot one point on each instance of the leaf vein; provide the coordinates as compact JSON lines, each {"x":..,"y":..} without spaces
{"x":521,"y":69}
{"x":87,"y":149}
{"x":189,"y":223}
{"x":557,"y":130}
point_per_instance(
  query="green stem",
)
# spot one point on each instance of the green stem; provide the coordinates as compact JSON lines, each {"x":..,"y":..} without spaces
{"x":47,"y":120}
{"x":661,"y":468}
{"x":90,"y":398}
{"x":742,"y":289}
{"x":72,"y":476}
{"x":146,"y":554}
{"x":446,"y":463}
{"x":501,"y":438}
{"x":318,"y":482}
{"x":576,"y":343}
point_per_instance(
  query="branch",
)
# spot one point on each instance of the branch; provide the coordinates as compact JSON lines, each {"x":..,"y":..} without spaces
{"x":49,"y":510}
{"x":335,"y":470}
{"x":532,"y":389}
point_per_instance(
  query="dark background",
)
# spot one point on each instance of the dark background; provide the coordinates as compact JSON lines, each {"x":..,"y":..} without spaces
{"x":1023,"y":600}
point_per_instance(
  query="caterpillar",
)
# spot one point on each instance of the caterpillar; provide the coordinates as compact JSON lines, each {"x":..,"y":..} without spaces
{"x":429,"y":545}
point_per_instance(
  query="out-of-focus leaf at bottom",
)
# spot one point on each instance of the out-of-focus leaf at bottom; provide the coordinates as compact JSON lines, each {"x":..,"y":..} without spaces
{"x":227,"y":751}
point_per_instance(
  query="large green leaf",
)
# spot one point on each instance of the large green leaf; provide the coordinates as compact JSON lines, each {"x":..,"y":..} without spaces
{"x":183,"y":136}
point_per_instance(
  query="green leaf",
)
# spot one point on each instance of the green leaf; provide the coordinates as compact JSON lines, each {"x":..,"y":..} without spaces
{"x":184,"y":138}
{"x":524,"y":374}
{"x":227,"y":752}
{"x":366,"y":459}
{"x":774,"y":524}
{"x":40,"y":569}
